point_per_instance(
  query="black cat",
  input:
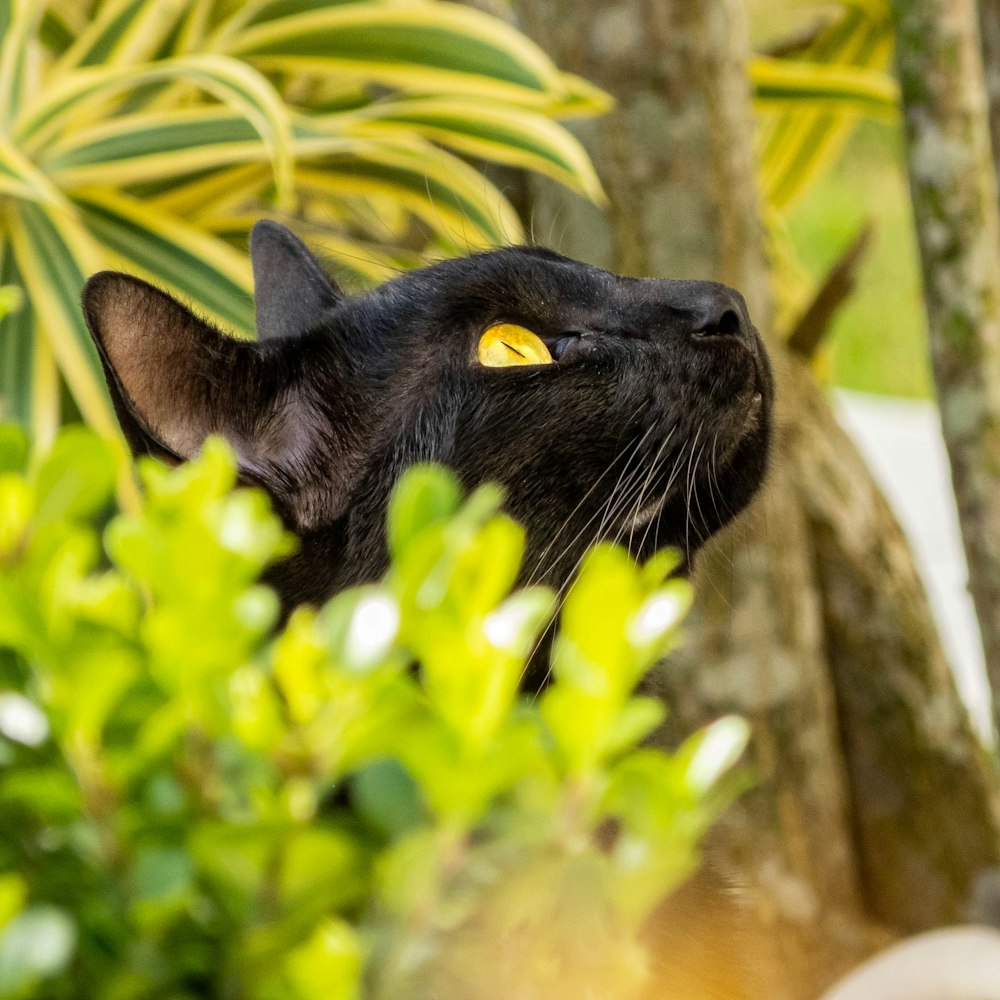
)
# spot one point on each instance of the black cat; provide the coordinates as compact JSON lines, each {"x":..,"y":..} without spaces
{"x":609,"y":407}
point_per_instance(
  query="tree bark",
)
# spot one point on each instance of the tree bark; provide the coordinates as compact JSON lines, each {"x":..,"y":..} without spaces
{"x":924,"y":809}
{"x":954,"y":192}
{"x":810,"y":619}
{"x":989,"y":30}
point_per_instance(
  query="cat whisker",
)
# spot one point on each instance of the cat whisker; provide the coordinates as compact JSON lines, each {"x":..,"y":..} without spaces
{"x":696,"y":495}
{"x":617,"y":501}
{"x":602,"y":509}
{"x":713,"y":477}
{"x":582,"y":501}
{"x":664,"y":493}
{"x":689,"y":490}
{"x":633,"y":520}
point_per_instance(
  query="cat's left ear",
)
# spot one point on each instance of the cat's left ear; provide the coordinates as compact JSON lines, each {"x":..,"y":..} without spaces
{"x":292,"y":292}
{"x":175,"y":379}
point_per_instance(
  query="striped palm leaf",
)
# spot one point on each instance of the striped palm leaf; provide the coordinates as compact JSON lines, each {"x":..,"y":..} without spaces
{"x":149,"y":134}
{"x":809,"y":101}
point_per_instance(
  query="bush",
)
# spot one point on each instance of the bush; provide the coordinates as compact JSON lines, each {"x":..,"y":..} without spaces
{"x":196,"y":806}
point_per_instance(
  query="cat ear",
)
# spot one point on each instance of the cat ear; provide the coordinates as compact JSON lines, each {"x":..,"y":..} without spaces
{"x":174,"y":379}
{"x":291,"y":291}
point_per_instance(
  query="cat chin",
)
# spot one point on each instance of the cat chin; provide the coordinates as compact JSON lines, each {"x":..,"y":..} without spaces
{"x":649,"y":512}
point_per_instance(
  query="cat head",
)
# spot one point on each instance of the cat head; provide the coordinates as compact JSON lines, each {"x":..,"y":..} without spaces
{"x":609,"y":407}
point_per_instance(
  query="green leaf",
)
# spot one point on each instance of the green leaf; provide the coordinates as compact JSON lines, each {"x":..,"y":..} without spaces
{"x":161,"y":874}
{"x":321,"y":870}
{"x":234,"y":83}
{"x":195,"y":266}
{"x":21,"y":720}
{"x":426,"y":495}
{"x":424,"y":47}
{"x":35,"y":945}
{"x":328,"y":965}
{"x":387,"y":798}
{"x":75,"y":479}
{"x":19,"y":21}
{"x":504,"y":135}
{"x":18,"y":352}
{"x":797,"y":143}
{"x":13,"y":448}
{"x":11,"y":299}
{"x":53,"y":255}
{"x":815,"y":84}
{"x":124,"y":31}
{"x":360,"y":628}
{"x":47,"y":791}
{"x":13,"y":894}
{"x":713,"y":751}
{"x":448,"y":196}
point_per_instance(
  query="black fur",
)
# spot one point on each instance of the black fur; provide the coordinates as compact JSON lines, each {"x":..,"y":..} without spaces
{"x":653,"y":427}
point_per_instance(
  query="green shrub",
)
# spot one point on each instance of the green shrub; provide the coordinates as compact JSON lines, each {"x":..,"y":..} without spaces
{"x":195,"y":806}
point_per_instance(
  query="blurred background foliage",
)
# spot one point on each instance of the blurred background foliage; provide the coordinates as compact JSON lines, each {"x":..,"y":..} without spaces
{"x":843,"y":174}
{"x":150,"y":135}
{"x":290,"y":816}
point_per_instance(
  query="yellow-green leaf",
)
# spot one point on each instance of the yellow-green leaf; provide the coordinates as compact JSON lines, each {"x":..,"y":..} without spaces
{"x":17,"y":349}
{"x":125,"y":32}
{"x":192,"y":264}
{"x":417,"y":47}
{"x":816,"y":84}
{"x":503,"y":134}
{"x":53,"y":257}
{"x":797,"y":143}
{"x":235,"y":84}
{"x":450,"y":197}
{"x":19,"y":20}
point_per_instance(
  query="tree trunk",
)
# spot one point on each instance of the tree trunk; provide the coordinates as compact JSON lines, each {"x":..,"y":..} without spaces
{"x":954,"y":193}
{"x":989,"y":30}
{"x":811,"y":620}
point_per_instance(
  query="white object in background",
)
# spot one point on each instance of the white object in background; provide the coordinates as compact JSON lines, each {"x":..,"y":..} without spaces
{"x":901,"y":441}
{"x":960,"y":963}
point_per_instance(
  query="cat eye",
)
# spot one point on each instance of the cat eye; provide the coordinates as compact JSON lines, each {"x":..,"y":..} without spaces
{"x":506,"y":344}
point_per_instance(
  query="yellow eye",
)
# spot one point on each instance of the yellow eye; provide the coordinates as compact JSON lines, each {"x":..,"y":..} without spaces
{"x":507,"y":344}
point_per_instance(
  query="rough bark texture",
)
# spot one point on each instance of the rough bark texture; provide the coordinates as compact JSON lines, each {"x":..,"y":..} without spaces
{"x":954,"y":193}
{"x":923,"y":802}
{"x":811,"y":619}
{"x":989,"y":29}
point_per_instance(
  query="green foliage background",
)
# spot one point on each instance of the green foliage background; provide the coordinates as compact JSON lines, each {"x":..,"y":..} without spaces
{"x":149,"y":136}
{"x":194,"y":805}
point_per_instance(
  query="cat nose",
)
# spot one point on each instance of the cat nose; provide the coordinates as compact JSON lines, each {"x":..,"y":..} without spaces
{"x":717,"y":311}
